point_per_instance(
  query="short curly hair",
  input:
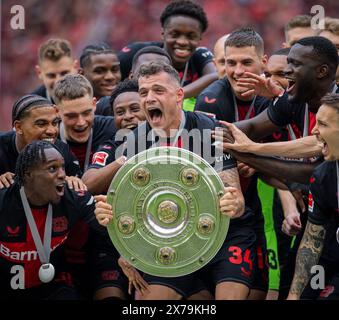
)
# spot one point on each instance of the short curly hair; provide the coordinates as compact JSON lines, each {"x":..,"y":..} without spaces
{"x":127,"y":85}
{"x":54,"y":50}
{"x":324,"y":50}
{"x":185,"y":8}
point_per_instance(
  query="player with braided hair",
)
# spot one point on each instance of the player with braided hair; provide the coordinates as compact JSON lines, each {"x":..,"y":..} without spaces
{"x":34,"y":118}
{"x":144,"y":55}
{"x":100,"y":65}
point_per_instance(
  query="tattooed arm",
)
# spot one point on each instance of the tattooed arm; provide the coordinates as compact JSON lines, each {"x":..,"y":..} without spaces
{"x":232,"y":203}
{"x":308,"y":256}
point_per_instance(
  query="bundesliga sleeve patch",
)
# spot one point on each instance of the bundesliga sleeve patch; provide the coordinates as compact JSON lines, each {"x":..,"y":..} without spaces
{"x":310,"y":202}
{"x":100,"y":158}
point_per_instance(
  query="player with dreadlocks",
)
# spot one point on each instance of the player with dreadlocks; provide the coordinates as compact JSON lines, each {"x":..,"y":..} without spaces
{"x":39,"y":202}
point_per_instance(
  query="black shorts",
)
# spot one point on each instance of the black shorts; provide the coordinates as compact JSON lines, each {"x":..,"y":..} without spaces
{"x":49,"y":291}
{"x":184,"y":285}
{"x":103,"y":264}
{"x":233,"y":262}
{"x":260,"y":269}
{"x":100,"y":269}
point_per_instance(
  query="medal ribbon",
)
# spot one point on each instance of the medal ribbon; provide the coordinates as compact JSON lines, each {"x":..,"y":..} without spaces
{"x":44,"y":249}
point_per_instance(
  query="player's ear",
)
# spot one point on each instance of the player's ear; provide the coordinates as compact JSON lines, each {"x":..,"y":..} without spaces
{"x":76,"y":65}
{"x":214,"y":62}
{"x":264,"y":59}
{"x":94,"y":103}
{"x":17,"y":127}
{"x":180,"y":95}
{"x":38,"y":71}
{"x":322,"y":71}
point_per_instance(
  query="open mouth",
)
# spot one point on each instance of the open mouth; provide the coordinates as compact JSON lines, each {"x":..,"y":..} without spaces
{"x":60,"y":188}
{"x":182,"y":53}
{"x":130,"y":126}
{"x":80,"y":130}
{"x":50,"y":140}
{"x":155,"y":114}
{"x":291,"y":84}
{"x":109,"y":87}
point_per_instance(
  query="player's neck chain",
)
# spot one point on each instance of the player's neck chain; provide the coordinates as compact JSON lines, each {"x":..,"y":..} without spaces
{"x":184,"y":75}
{"x":236,"y":111}
{"x":88,"y":147}
{"x":306,"y":119}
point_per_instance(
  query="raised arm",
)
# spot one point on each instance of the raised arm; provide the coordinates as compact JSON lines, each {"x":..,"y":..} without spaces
{"x":258,"y":85}
{"x":300,"y":148}
{"x":283,"y":170}
{"x":98,"y":180}
{"x":209,"y":75}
